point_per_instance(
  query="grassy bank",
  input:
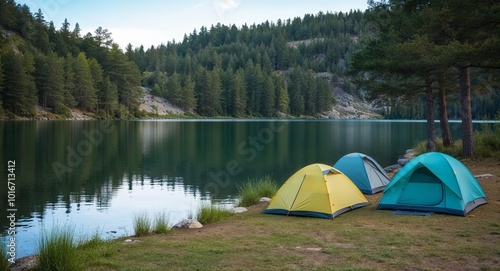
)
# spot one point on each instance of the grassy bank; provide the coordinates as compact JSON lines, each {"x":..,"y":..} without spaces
{"x":362,"y":239}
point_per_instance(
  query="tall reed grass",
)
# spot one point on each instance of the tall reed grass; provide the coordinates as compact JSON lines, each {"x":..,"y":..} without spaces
{"x":4,"y":259}
{"x":57,"y":250}
{"x":209,"y":213}
{"x":142,"y":224}
{"x":161,"y":223}
{"x":251,"y":191}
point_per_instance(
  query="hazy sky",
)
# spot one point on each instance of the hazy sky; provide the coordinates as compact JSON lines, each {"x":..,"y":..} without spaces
{"x":152,"y":22}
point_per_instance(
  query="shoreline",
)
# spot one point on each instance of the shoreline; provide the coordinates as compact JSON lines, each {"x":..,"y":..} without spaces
{"x":485,"y":170}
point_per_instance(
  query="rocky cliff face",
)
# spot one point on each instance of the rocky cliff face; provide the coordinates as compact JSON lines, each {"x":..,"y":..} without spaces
{"x":347,"y":106}
{"x":158,"y":105}
{"x":350,"y":107}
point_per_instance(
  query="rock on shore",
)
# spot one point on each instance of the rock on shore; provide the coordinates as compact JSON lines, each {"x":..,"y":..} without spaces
{"x":189,"y":224}
{"x":409,"y":154}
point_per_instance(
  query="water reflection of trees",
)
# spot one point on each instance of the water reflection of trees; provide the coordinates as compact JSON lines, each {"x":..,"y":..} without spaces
{"x":176,"y":154}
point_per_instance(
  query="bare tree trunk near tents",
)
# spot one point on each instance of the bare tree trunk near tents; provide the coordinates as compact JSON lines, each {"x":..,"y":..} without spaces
{"x":466,"y":113}
{"x":431,"y":129}
{"x":443,"y":115}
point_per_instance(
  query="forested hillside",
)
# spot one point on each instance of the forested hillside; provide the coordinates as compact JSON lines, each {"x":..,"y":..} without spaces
{"x":271,"y":69}
{"x":238,"y":71}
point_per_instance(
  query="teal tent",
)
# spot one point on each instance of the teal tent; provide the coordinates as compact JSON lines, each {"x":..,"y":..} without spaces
{"x":364,"y":172}
{"x":433,"y":182}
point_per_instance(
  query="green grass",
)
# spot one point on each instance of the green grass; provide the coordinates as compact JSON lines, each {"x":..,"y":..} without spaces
{"x":361,"y":239}
{"x":209,"y":213}
{"x":57,"y":250}
{"x":93,"y":241}
{"x":142,"y":224}
{"x":455,"y":150}
{"x":161,"y":223}
{"x":251,"y":191}
{"x":487,"y":143}
{"x":4,"y":258}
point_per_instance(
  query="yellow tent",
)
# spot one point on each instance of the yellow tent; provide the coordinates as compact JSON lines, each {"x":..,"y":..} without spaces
{"x":316,"y":190}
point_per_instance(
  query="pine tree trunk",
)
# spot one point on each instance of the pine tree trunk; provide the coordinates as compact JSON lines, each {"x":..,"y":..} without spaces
{"x":443,"y":117}
{"x":465,"y":101}
{"x":431,"y":130}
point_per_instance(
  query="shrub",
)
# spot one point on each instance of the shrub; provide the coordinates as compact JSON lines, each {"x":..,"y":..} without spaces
{"x":488,"y":141}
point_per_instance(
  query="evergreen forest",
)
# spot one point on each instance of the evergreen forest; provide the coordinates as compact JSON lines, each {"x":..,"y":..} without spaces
{"x":391,"y":56}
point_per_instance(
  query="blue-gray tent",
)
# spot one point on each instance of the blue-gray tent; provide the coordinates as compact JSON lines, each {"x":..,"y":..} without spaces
{"x":433,"y":182}
{"x":364,"y":172}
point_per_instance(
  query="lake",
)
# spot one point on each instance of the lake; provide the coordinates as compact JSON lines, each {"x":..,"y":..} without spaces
{"x":96,"y":175}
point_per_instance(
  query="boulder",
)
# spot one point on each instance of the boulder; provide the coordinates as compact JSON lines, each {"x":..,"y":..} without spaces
{"x":403,"y":162}
{"x":265,"y":199}
{"x":410,"y":154}
{"x":239,"y":210}
{"x":189,"y":224}
{"x":392,"y":168}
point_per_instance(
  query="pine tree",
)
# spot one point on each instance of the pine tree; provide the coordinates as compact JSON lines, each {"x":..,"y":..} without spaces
{"x":85,"y":93}
{"x":254,"y":83}
{"x":268,"y":97}
{"x":188,"y":94}
{"x":69,"y":81}
{"x":174,"y":89}
{"x":325,"y":100}
{"x":282,"y":99}
{"x":41,"y":37}
{"x":103,"y":37}
{"x":126,"y":76}
{"x":239,"y":97}
{"x":297,"y":103}
{"x":208,"y":92}
{"x":107,"y":96}
{"x":19,"y":92}
{"x":49,"y":78}
{"x":309,"y":92}
{"x":7,"y":14}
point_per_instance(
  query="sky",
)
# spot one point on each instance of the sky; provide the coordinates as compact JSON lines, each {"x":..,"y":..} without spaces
{"x":153,"y":22}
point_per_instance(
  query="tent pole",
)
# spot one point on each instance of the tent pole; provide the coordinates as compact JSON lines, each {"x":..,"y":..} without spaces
{"x":291,"y":207}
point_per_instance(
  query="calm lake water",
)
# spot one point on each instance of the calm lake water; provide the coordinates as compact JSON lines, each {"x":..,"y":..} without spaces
{"x":95,"y":175}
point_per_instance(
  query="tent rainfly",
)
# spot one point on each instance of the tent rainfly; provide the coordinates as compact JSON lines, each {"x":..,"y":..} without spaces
{"x":316,"y":190}
{"x":364,"y":172}
{"x":433,"y":182}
